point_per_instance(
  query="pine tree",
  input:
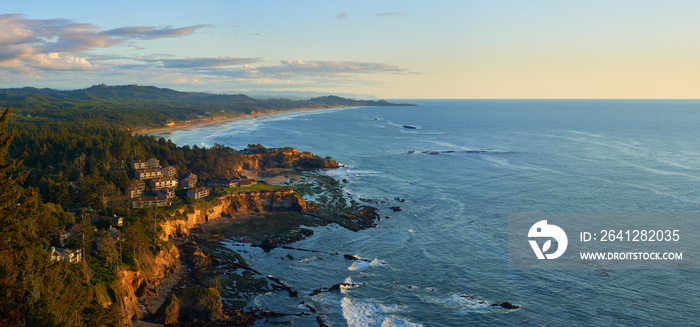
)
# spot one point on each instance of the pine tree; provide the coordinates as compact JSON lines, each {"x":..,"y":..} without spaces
{"x":33,"y":290}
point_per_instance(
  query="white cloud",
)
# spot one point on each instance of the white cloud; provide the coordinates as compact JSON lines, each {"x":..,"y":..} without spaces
{"x":206,"y":62}
{"x":40,"y":43}
{"x":56,"y":62}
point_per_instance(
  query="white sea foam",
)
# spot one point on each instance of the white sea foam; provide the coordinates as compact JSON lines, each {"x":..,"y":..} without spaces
{"x":359,"y":265}
{"x":368,"y":312}
{"x":377,"y":262}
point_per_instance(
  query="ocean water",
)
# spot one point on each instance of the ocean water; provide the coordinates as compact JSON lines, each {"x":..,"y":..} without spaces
{"x":443,"y":260}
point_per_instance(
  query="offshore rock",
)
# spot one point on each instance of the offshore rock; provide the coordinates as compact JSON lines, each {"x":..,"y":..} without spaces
{"x":506,"y":305}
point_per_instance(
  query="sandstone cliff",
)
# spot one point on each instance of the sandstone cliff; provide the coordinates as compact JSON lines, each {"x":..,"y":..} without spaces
{"x":232,"y":205}
{"x":135,"y":284}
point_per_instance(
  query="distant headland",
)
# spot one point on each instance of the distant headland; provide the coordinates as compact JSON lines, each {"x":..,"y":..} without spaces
{"x":140,"y":108}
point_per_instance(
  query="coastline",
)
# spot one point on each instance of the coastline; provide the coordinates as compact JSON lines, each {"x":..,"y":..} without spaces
{"x":211,"y":121}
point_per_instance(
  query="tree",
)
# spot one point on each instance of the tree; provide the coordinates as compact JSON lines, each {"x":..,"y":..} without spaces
{"x":108,"y":248}
{"x":33,"y":290}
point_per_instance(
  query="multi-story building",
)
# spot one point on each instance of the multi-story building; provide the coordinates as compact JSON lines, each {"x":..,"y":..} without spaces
{"x":166,"y":192}
{"x":149,"y":202}
{"x":189,"y":181}
{"x":198,"y":193}
{"x":70,"y":255}
{"x":148,"y":173}
{"x":159,"y":183}
{"x":139,"y":164}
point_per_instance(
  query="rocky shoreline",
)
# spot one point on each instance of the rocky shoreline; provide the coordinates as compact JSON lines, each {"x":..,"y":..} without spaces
{"x":205,"y":271}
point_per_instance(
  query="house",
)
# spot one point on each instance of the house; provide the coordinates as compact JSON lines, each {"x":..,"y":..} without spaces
{"x":231,"y":182}
{"x":61,"y":236}
{"x":166,"y":192}
{"x":148,"y":173}
{"x":153,"y":163}
{"x":198,"y":193}
{"x":118,"y":221}
{"x":133,"y":191}
{"x":113,"y":201}
{"x":149,"y":202}
{"x":169,"y":171}
{"x":159,"y":183}
{"x":116,"y":235}
{"x":70,"y":255}
{"x":246,"y":182}
{"x":189,"y":181}
{"x":139,"y":164}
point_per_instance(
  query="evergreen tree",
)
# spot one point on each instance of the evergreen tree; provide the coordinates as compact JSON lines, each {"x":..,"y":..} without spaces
{"x":33,"y":290}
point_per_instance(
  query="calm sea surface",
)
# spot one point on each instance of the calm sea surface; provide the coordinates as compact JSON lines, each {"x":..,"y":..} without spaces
{"x":435,"y":261}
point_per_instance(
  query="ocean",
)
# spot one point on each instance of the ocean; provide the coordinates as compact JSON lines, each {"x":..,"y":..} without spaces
{"x":443,"y":259}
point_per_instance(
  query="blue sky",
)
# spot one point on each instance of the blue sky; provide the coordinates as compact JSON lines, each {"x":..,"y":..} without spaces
{"x":391,"y":49}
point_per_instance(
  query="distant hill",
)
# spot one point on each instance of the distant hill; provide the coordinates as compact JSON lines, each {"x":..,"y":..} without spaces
{"x":136,"y":106}
{"x":301,"y":95}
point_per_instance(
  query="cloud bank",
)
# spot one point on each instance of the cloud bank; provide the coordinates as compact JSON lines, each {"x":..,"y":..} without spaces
{"x":51,"y":50}
{"x":27,"y":45}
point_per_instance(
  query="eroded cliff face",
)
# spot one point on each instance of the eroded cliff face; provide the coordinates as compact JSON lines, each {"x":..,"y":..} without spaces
{"x":235,"y":204}
{"x":138,"y":283}
{"x":135,"y":284}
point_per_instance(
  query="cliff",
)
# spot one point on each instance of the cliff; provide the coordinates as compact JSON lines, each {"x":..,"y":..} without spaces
{"x":231,"y":205}
{"x":134,"y":284}
{"x":200,"y":305}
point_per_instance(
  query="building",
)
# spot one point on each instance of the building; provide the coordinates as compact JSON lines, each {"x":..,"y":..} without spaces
{"x":60,"y":237}
{"x":69,"y":255}
{"x":118,"y":221}
{"x":139,"y":164}
{"x":159,"y":183}
{"x":113,"y":201}
{"x":166,"y":192}
{"x":148,"y":173}
{"x":246,"y":182}
{"x":198,"y":193}
{"x":169,"y":171}
{"x":153,"y":163}
{"x":149,"y":202}
{"x":133,"y":191}
{"x":231,"y":182}
{"x":189,"y":181}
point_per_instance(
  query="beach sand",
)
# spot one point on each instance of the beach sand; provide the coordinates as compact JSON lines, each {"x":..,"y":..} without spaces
{"x":192,"y":124}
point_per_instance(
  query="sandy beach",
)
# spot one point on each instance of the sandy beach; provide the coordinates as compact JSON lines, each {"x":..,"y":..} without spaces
{"x":191,"y":124}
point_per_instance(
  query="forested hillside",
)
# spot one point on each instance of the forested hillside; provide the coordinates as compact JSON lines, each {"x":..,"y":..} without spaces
{"x":136,"y":107}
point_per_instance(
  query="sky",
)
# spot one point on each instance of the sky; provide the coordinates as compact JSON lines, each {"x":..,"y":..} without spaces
{"x":390,"y":49}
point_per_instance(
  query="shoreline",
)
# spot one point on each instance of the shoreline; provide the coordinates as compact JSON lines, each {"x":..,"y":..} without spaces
{"x":205,"y":122}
